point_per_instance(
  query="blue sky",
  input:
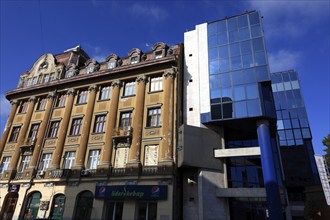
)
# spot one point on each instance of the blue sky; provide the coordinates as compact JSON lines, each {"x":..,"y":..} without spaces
{"x":297,"y":37}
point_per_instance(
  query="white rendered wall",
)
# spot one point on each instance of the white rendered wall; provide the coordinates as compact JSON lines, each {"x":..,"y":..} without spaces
{"x":196,"y":93}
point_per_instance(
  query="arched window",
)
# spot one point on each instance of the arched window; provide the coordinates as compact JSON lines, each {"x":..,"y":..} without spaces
{"x":9,"y":206}
{"x":84,"y":205}
{"x":32,"y":206}
{"x":57,"y":206}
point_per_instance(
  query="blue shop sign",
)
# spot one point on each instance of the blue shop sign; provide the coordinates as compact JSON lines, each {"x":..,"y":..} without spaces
{"x":13,"y":188}
{"x":131,"y":192}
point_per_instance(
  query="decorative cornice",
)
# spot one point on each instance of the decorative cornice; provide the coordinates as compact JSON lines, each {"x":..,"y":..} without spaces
{"x":170,"y":72}
{"x":92,"y":88}
{"x":14,"y":102}
{"x":70,"y":92}
{"x":51,"y":94}
{"x":116,"y":83}
{"x":141,"y":78}
{"x":32,"y":99}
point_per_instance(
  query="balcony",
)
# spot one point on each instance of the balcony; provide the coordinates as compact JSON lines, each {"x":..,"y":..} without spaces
{"x":118,"y":171}
{"x":60,"y":173}
{"x":28,"y":144}
{"x":18,"y":176}
{"x":157,"y":170}
{"x":122,"y":131}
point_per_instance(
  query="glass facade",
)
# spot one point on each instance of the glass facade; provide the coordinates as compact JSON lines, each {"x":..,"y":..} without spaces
{"x":237,"y":64}
{"x":292,"y":121}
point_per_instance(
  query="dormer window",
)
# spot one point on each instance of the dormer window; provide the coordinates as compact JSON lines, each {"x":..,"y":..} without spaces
{"x":112,"y":64}
{"x":46,"y":78}
{"x":44,"y":65}
{"x":69,"y":74}
{"x":89,"y":69}
{"x":159,"y":54}
{"x":134,"y":59}
{"x":29,"y":82}
{"x":35,"y":80}
{"x":52,"y":77}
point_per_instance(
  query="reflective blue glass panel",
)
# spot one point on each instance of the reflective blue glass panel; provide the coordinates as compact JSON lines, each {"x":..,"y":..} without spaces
{"x":222,"y":26}
{"x":236,"y":63}
{"x":254,"y":18}
{"x":242,"y":21}
{"x":212,"y":41}
{"x":253,"y":107}
{"x":214,"y":67}
{"x":224,"y":65}
{"x":246,"y":47}
{"x":232,"y":24}
{"x":234,"y":50}
{"x":227,"y":94}
{"x":212,"y":29}
{"x":222,"y":38}
{"x":258,"y":44}
{"x":223,"y":52}
{"x":256,"y":31}
{"x":213,"y":53}
{"x":260,"y":59}
{"x":249,"y":75}
{"x":225,"y":79}
{"x":238,"y":77}
{"x":239,"y":93}
{"x":244,"y":34}
{"x":240,"y":110}
{"x":252,"y":91}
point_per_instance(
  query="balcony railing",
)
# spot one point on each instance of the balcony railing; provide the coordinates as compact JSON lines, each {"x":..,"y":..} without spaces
{"x":118,"y":172}
{"x":157,"y":170}
{"x":60,"y":173}
{"x":18,"y":176}
{"x":122,"y":131}
{"x":30,"y":141}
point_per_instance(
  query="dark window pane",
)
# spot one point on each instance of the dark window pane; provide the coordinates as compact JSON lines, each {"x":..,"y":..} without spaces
{"x":306,"y":133}
{"x":225,"y":79}
{"x":283,"y":143}
{"x":222,"y":38}
{"x":242,"y":21}
{"x":224,"y":65}
{"x":216,"y":112}
{"x":244,"y":34}
{"x":287,"y":124}
{"x":293,"y":76}
{"x":227,"y":110}
{"x":295,"y":123}
{"x":254,"y":18}
{"x":297,"y":133}
{"x":285,"y":114}
{"x":249,"y":75}
{"x":212,"y":28}
{"x":256,"y":31}
{"x":262,"y":73}
{"x":289,"y":134}
{"x":276,"y":78}
{"x":236,"y":63}
{"x":240,"y":109}
{"x":234,"y":50}
{"x":213,"y":41}
{"x":303,"y":122}
{"x":252,"y":91}
{"x":278,"y":115}
{"x":259,"y":58}
{"x":285,"y":77}
{"x":239,"y":93}
{"x":232,"y":24}
{"x":223,"y":52}
{"x":258,"y":44}
{"x":293,"y":113}
{"x":222,"y":27}
{"x":253,"y":107}
{"x":281,"y":135}
{"x":291,"y":142}
{"x":237,"y":78}
{"x":213,"y":53}
{"x":299,"y":142}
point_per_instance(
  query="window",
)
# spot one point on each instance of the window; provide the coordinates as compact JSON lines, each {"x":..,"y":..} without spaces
{"x":54,"y":126}
{"x":151,"y":155}
{"x":61,"y":101}
{"x":146,"y":210}
{"x":76,"y":126}
{"x":99,"y":126}
{"x":68,"y":159}
{"x":134,"y":59}
{"x":154,"y":117}
{"x":69,"y":74}
{"x":46,"y":78}
{"x":113,"y":210}
{"x":29,"y":82}
{"x":112,"y":64}
{"x":32,"y":206}
{"x":23,"y":107}
{"x":35,"y":80}
{"x":82,"y":98}
{"x":14,"y":134}
{"x":125,"y":119}
{"x":129,"y":88}
{"x":45,"y":161}
{"x":5,"y":164}
{"x":84,"y":205}
{"x":156,"y":84}
{"x":158,"y":54}
{"x":121,"y":157}
{"x":105,"y":92}
{"x":89,"y":69}
{"x":42,"y":104}
{"x":52,"y":77}
{"x":33,"y":132}
{"x":24,"y":163}
{"x":93,"y":159}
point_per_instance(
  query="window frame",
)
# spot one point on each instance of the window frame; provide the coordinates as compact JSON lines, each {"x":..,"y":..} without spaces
{"x":53,"y":129}
{"x":100,"y":123}
{"x":34,"y":131}
{"x":105,"y":92}
{"x":14,"y":134}
{"x":125,"y":121}
{"x":61,"y":101}
{"x":156,"y":84}
{"x":24,"y":163}
{"x":5,"y":163}
{"x":45,"y":161}
{"x":23,"y":108}
{"x":147,"y":155}
{"x":154,"y":117}
{"x":76,"y":126}
{"x":129,"y":88}
{"x":82,"y":97}
{"x":93,"y":159}
{"x":68,"y":159}
{"x":42,"y":104}
{"x":121,"y":157}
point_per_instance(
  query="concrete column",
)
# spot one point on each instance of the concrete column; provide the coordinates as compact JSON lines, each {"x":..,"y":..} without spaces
{"x":11,"y":116}
{"x":134,"y":154}
{"x":63,"y":130}
{"x":42,"y":130}
{"x":166,"y":145}
{"x":80,"y":158}
{"x":111,"y":123}
{"x":22,"y":134}
{"x":269,"y":171}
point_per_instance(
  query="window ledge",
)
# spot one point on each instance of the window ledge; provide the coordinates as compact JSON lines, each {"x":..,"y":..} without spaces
{"x":127,"y":96}
{"x":103,"y":100}
{"x":152,"y":92}
{"x":152,"y":127}
{"x":77,"y":104}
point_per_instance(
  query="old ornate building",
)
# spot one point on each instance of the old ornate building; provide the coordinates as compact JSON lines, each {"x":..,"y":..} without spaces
{"x":93,"y":140}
